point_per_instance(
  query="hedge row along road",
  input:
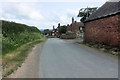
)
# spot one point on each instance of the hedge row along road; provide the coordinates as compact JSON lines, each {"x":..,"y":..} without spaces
{"x":17,"y":41}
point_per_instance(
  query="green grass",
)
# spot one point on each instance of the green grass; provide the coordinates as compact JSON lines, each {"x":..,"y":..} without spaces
{"x":16,"y":34}
{"x":14,"y":59}
{"x":12,"y":42}
{"x":17,"y":40}
{"x":78,"y":39}
{"x":51,"y":36}
{"x":75,"y":39}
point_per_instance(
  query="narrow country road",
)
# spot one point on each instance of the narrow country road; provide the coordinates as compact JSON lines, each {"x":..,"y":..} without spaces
{"x":64,"y":59}
{"x":58,"y":58}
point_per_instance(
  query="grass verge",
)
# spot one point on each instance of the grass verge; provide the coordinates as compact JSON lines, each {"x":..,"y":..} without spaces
{"x":52,"y":37}
{"x":75,"y":39}
{"x":103,"y":48}
{"x":12,"y":60}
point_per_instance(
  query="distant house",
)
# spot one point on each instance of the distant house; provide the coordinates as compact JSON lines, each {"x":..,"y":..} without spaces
{"x":75,"y":26}
{"x":103,"y":26}
{"x":73,"y":29}
{"x":54,"y":31}
{"x":47,"y":32}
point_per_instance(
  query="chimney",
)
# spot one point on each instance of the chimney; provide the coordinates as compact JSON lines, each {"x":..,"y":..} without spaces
{"x":72,"y":19}
{"x":75,"y":21}
{"x":53,"y":27}
{"x":67,"y":25}
{"x":59,"y":25}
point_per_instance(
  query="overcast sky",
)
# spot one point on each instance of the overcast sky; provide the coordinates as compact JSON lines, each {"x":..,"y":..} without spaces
{"x":42,"y":13}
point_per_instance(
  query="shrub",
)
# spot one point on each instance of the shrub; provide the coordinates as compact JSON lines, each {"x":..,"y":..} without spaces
{"x":15,"y":34}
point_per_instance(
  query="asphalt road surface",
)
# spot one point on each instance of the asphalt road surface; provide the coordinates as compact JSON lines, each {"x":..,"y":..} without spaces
{"x":64,"y":59}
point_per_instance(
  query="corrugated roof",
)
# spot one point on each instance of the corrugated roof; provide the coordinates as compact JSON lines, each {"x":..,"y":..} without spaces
{"x":109,"y":8}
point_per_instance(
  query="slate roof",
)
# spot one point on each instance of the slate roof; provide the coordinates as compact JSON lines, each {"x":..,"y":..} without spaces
{"x":109,"y":8}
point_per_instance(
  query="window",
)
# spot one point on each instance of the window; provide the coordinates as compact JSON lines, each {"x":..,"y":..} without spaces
{"x":53,"y":34}
{"x":80,"y":28}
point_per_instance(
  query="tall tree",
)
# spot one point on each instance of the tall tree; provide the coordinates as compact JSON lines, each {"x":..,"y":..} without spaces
{"x":86,"y":12}
{"x":63,"y":29}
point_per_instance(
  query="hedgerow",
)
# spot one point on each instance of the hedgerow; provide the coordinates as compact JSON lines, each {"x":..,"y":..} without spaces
{"x":15,"y":34}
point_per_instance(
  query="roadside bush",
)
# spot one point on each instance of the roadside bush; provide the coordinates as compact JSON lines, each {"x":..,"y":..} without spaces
{"x":14,"y":35}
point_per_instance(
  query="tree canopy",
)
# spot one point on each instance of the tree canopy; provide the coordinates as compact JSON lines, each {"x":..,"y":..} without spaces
{"x":63,"y":29}
{"x":86,"y":12}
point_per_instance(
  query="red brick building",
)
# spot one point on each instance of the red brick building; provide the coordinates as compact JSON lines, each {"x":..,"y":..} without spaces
{"x":47,"y":32}
{"x":54,"y":31}
{"x":75,"y":26}
{"x":103,"y":26}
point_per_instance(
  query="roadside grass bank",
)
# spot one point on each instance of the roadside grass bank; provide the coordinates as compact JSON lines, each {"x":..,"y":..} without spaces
{"x":51,"y":37}
{"x":17,"y":40}
{"x":104,"y":48}
{"x":11,"y":61}
{"x":74,"y":39}
{"x":15,"y":34}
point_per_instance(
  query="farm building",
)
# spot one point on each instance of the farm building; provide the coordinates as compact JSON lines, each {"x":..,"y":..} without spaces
{"x":72,"y":30}
{"x":75,"y":26}
{"x":47,"y":32}
{"x":54,"y":31}
{"x":103,"y":26}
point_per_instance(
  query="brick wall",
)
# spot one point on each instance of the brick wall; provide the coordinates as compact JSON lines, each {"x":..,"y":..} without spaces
{"x":103,"y":31}
{"x":69,"y":36}
{"x":74,"y":26}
